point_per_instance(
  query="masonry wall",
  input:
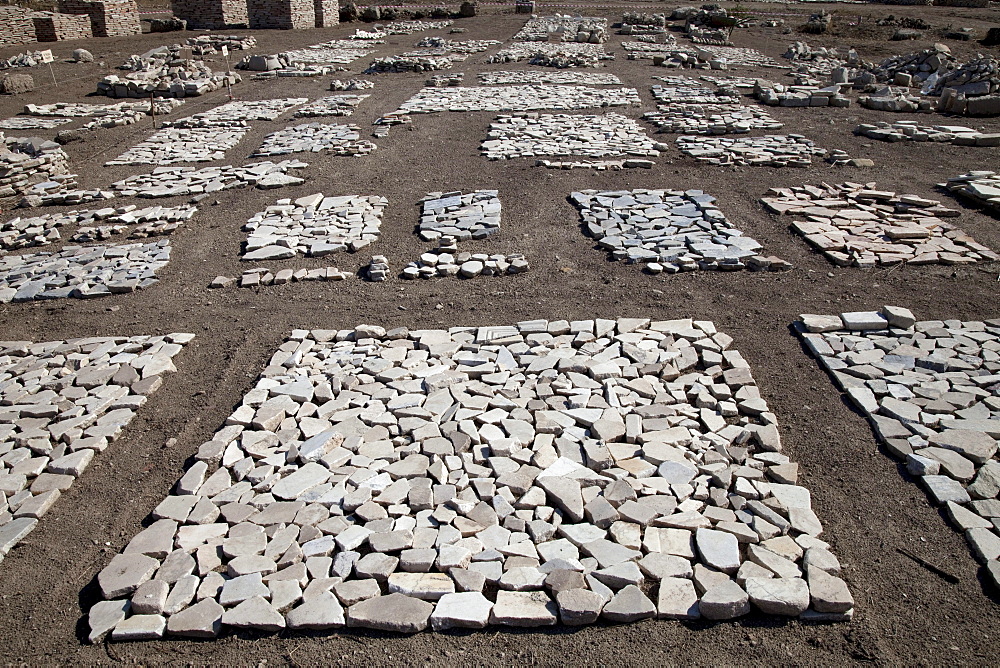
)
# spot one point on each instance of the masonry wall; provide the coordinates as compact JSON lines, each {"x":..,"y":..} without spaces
{"x":211,"y":14}
{"x":54,"y":27}
{"x":16,"y":26}
{"x":327,"y":13}
{"x":282,"y":14}
{"x":108,"y":18}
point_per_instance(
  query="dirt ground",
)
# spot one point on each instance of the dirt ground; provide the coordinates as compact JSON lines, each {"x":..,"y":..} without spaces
{"x":869,"y":505}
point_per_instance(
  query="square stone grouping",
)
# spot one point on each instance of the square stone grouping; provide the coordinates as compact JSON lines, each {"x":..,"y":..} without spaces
{"x":314,"y":138}
{"x":44,"y":230}
{"x":855,"y":224}
{"x":517,"y":98}
{"x":710,"y":119}
{"x":931,"y":392}
{"x":532,"y":135}
{"x":502,"y":475}
{"x":494,"y":78}
{"x":83,"y":272}
{"x":461,"y":216}
{"x":62,"y":403}
{"x":174,"y":181}
{"x":239,"y":112}
{"x":315,"y":225}
{"x":32,"y":123}
{"x":769,"y":150}
{"x":332,"y":105}
{"x":668,"y":230}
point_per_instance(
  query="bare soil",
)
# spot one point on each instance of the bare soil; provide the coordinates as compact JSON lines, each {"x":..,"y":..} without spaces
{"x":869,"y":505}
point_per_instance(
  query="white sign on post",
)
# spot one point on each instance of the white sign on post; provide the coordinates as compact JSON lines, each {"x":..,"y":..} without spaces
{"x":225,"y":50}
{"x":47,"y":56}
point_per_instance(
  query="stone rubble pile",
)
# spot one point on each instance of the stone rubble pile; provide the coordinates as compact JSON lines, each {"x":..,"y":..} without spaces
{"x":931,"y":391}
{"x":332,"y":105}
{"x":239,"y":112}
{"x":778,"y":95}
{"x":818,"y":65}
{"x":517,"y":98}
{"x":315,"y":137}
{"x":405,"y":63}
{"x":518,"y":476}
{"x":459,"y":216}
{"x":162,"y":73}
{"x":32,"y":166}
{"x":377,"y":270}
{"x":261,"y":276}
{"x":710,"y":119}
{"x":44,"y":230}
{"x":82,"y":272}
{"x":854,"y":224}
{"x":445,"y":260}
{"x":26,"y":59}
{"x":888,"y":98}
{"x":315,"y":226}
{"x":682,"y":90}
{"x":639,"y":23}
{"x":912,"y":131}
{"x":769,"y":150}
{"x":981,"y":187}
{"x":559,"y":55}
{"x":916,"y":67}
{"x":170,"y":145}
{"x":32,"y":123}
{"x":351,"y":84}
{"x":660,"y":53}
{"x":209,"y":45}
{"x":499,"y":77}
{"x":567,"y":28}
{"x":972,"y":89}
{"x":175,"y":181}
{"x":463,"y":47}
{"x":732,"y":85}
{"x":532,"y":134}
{"x":668,"y":231}
{"x":63,"y":403}
{"x":446,"y":80}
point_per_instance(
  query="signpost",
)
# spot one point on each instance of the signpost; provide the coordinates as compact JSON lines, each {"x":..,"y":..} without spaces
{"x":47,"y":57}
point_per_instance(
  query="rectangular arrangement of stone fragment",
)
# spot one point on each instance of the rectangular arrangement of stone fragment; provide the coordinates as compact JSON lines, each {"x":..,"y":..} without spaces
{"x":460,"y":47}
{"x":564,"y":54}
{"x":931,"y":391}
{"x":682,"y":90}
{"x":461,"y":216}
{"x":981,"y":187}
{"x":567,"y":28}
{"x":856,"y":225}
{"x":499,"y":77}
{"x":711,"y":119}
{"x":174,"y":181}
{"x":31,"y":123}
{"x":83,"y":272}
{"x":517,"y":98}
{"x":170,"y":146}
{"x":668,"y":230}
{"x":315,"y":225}
{"x":446,"y":260}
{"x":62,"y":403}
{"x":239,"y":112}
{"x":332,"y":105}
{"x":43,"y":230}
{"x":645,"y":50}
{"x":734,"y":55}
{"x":532,"y":134}
{"x":32,"y":167}
{"x":504,"y":475}
{"x":411,"y":62}
{"x":769,"y":150}
{"x":959,"y":135}
{"x":340,"y":52}
{"x":63,"y":109}
{"x":316,"y":137}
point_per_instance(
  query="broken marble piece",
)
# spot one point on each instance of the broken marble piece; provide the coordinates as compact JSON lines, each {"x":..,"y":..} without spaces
{"x":169,"y":146}
{"x":533,"y":134}
{"x":83,"y":272}
{"x":856,"y":224}
{"x":262,"y":276}
{"x":395,"y":471}
{"x":315,"y":225}
{"x":931,"y":391}
{"x":517,"y":77}
{"x":44,"y":230}
{"x":461,"y":216}
{"x":769,"y":150}
{"x":980,"y":187}
{"x":516,"y":98}
{"x":63,"y":402}
{"x":31,"y":123}
{"x":685,"y":90}
{"x":668,"y":231}
{"x":314,"y":138}
{"x":446,"y":260}
{"x":332,"y":105}
{"x":710,"y":119}
{"x":238,"y":113}
{"x":174,"y":181}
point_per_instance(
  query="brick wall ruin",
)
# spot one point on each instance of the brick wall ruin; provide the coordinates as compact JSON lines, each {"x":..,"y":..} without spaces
{"x":54,"y":27}
{"x":282,"y":14}
{"x":211,"y":14}
{"x":108,"y":18}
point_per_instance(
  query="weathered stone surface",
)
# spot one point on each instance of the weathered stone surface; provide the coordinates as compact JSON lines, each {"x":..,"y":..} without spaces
{"x":395,"y":612}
